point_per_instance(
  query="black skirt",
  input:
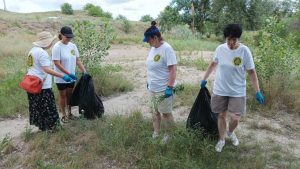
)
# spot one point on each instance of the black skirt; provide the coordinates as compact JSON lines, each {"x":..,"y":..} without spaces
{"x":43,"y":111}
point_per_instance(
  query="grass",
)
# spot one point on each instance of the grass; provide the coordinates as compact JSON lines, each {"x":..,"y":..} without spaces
{"x":192,"y":45}
{"x":188,"y":95}
{"x":199,"y":63}
{"x":126,"y":142}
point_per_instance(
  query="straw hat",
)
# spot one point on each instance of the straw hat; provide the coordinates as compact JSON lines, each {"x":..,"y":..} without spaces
{"x":44,"y":39}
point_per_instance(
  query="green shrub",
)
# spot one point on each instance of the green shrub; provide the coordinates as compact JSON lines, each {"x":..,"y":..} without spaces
{"x":109,"y":81}
{"x":126,"y":25}
{"x":146,"y":18}
{"x":66,"y":8}
{"x":276,"y":63}
{"x":92,"y":41}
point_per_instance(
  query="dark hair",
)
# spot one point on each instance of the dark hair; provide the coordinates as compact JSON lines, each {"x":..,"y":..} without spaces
{"x":153,"y":31}
{"x":60,"y":36}
{"x":233,"y":31}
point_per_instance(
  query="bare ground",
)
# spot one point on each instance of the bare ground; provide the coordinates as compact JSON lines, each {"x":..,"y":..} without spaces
{"x":282,"y":129}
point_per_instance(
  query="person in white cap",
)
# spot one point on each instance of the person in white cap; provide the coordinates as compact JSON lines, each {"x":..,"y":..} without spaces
{"x":42,"y":108}
{"x":65,"y":56}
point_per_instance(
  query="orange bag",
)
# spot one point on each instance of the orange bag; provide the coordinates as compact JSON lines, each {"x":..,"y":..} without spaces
{"x":32,"y":84}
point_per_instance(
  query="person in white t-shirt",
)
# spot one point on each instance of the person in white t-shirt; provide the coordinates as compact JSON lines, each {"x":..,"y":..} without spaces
{"x":65,"y":56}
{"x":42,"y":107}
{"x":161,"y":74}
{"x":232,"y":60}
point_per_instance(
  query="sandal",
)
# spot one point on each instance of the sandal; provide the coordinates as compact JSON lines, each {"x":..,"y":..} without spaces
{"x":72,"y":117}
{"x":64,"y":119}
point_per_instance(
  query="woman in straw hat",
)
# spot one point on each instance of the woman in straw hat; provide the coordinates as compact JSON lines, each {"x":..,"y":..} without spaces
{"x":42,"y":108}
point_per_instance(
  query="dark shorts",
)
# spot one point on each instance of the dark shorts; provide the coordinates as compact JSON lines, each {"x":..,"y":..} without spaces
{"x":63,"y":86}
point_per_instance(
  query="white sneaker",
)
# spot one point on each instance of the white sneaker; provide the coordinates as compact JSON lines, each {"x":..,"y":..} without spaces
{"x":219,"y":146}
{"x":155,"y":135}
{"x":165,"y":139}
{"x":234,"y":139}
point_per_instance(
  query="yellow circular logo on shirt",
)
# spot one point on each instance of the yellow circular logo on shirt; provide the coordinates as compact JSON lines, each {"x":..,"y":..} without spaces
{"x":72,"y":52}
{"x":30,"y":60}
{"x":237,"y":61}
{"x":156,"y":58}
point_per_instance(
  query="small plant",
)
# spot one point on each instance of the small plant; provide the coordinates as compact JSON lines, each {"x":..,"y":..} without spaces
{"x":27,"y":135}
{"x":6,"y":145}
{"x":126,"y":25}
{"x":66,"y":8}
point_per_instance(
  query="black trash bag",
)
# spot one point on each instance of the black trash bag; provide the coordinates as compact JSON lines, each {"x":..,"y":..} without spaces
{"x":201,"y":117}
{"x":84,"y":96}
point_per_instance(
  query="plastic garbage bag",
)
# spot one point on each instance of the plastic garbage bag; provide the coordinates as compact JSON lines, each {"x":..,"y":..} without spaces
{"x":84,"y":96}
{"x":201,"y":117}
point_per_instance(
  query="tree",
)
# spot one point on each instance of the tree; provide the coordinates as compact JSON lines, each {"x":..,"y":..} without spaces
{"x":4,"y":6}
{"x":194,"y":12}
{"x":121,"y":17}
{"x":66,"y":8}
{"x":93,"y":42}
{"x":146,"y":18}
{"x":88,"y":6}
{"x":169,"y":18}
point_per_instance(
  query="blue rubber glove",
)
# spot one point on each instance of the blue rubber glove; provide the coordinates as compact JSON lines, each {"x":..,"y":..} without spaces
{"x":67,"y":78}
{"x":73,"y":76}
{"x":203,"y":83}
{"x":260,"y":98}
{"x":168,"y":92}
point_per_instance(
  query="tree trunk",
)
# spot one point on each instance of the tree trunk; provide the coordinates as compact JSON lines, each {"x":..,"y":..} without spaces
{"x":193,"y":16}
{"x":4,"y":5}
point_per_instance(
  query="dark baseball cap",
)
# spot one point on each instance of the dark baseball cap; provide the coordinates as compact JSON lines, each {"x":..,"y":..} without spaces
{"x":67,"y":32}
{"x":150,"y":33}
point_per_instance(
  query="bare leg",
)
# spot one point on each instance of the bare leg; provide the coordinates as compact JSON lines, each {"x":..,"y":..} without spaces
{"x":222,"y":125}
{"x":62,"y":101}
{"x":156,"y":122}
{"x":68,"y":100}
{"x":169,"y":119}
{"x":234,"y":121}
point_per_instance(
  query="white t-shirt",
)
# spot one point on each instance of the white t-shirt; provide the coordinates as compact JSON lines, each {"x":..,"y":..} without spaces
{"x":230,"y":77}
{"x":38,"y":58}
{"x":157,"y":67}
{"x":67,"y":54}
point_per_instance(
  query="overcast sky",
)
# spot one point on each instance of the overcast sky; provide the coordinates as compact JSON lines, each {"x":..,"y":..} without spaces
{"x":132,"y":9}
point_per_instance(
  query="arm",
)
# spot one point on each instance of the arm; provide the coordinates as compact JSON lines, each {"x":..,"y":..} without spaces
{"x":210,"y":68}
{"x":254,"y":80}
{"x":52,"y":72}
{"x":172,"y":75}
{"x":60,"y":67}
{"x":80,"y":65}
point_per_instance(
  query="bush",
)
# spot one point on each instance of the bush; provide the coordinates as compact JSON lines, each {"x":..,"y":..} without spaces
{"x":146,"y":18}
{"x":66,"y":8}
{"x":276,"y":63}
{"x":93,"y":42}
{"x":95,"y":11}
{"x":126,"y":26}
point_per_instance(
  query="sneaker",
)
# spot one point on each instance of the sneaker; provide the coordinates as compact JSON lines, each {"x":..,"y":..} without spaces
{"x":234,"y":139}
{"x":166,"y":138}
{"x":155,"y":135}
{"x":219,"y":146}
